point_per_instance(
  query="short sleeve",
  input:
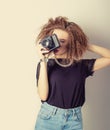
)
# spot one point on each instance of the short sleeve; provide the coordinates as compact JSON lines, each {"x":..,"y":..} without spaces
{"x":89,"y":64}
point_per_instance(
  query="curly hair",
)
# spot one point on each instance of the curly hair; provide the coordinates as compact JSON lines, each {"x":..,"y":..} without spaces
{"x":77,"y":39}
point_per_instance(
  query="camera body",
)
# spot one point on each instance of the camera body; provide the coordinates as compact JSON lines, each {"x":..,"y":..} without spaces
{"x":50,"y":42}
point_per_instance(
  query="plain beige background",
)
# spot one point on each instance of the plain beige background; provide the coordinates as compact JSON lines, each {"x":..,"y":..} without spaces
{"x":20,"y":21}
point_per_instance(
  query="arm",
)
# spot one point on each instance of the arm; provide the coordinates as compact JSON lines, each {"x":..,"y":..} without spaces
{"x":43,"y":81}
{"x":105,"y":56}
{"x":43,"y":88}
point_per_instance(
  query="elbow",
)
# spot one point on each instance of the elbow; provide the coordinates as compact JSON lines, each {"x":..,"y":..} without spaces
{"x":43,"y":98}
{"x":43,"y":95}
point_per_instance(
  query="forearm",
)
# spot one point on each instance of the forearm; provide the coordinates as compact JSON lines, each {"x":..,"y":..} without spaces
{"x":43,"y":81}
{"x":104,"y":52}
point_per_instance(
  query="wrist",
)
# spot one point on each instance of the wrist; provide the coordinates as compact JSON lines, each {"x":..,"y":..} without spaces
{"x":44,"y":59}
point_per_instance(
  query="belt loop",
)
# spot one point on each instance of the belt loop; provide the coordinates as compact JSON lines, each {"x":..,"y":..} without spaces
{"x":73,"y":111}
{"x":54,"y":111}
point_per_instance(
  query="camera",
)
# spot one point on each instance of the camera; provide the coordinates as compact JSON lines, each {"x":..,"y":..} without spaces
{"x":50,"y":42}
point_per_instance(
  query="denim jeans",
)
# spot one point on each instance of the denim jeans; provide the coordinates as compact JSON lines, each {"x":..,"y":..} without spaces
{"x":54,"y":118}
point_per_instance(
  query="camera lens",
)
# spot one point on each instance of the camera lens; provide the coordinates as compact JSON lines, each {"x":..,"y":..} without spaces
{"x":50,"y":42}
{"x":45,"y":43}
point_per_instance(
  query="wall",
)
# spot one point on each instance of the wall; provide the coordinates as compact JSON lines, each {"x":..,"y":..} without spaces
{"x":19,"y":25}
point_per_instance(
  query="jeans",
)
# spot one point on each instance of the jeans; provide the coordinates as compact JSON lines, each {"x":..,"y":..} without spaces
{"x":54,"y":118}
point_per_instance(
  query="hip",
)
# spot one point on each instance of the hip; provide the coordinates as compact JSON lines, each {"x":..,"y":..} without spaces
{"x":52,"y":118}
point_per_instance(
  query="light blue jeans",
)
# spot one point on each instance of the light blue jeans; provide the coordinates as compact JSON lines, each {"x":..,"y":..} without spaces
{"x":54,"y":118}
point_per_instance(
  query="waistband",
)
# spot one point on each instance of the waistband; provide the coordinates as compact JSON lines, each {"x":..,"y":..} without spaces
{"x":47,"y":106}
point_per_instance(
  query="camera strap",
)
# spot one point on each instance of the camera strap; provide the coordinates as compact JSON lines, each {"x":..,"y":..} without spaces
{"x":64,"y":65}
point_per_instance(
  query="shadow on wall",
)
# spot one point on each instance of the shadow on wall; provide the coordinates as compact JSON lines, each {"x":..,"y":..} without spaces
{"x":97,"y":100}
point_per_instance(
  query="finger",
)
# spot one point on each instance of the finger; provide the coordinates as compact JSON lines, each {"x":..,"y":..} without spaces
{"x":44,"y":52}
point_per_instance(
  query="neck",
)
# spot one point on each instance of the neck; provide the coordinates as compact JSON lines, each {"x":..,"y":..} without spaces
{"x":64,"y":56}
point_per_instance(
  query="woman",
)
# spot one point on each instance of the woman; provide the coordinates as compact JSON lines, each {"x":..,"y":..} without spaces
{"x":61,"y":75}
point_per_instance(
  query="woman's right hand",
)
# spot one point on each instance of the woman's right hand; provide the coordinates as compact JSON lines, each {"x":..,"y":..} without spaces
{"x":43,"y":52}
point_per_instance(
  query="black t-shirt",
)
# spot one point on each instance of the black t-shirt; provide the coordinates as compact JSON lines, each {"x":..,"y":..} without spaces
{"x":67,"y":84}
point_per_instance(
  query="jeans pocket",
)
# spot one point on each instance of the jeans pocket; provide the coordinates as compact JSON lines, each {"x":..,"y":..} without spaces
{"x":78,"y":116}
{"x":45,"y":114}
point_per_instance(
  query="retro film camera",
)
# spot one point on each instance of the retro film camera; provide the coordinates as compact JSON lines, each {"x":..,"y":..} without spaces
{"x":50,"y":42}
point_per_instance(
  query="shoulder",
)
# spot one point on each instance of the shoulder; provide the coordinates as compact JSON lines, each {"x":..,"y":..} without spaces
{"x":86,"y":62}
{"x":87,"y":65}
